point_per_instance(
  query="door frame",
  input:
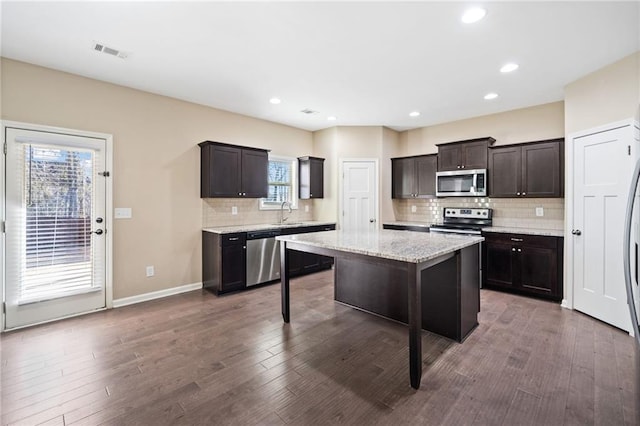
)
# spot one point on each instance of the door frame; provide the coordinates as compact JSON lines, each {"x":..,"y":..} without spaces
{"x":4,"y":124}
{"x":569,"y":147}
{"x":376,"y":178}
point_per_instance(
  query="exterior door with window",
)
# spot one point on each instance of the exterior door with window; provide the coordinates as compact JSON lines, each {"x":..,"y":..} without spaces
{"x":55,"y":226}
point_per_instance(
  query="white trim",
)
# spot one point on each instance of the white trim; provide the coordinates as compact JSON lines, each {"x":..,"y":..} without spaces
{"x":108,"y":202}
{"x":294,"y":183}
{"x":125,"y":301}
{"x":568,"y":300}
{"x":376,"y":179}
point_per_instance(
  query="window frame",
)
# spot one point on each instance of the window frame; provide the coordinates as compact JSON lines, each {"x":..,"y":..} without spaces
{"x":269,"y":205}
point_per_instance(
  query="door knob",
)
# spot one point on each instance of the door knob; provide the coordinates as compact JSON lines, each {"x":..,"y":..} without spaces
{"x":576,"y":232}
{"x":98,"y":232}
{"x":371,"y":220}
{"x":99,"y":220}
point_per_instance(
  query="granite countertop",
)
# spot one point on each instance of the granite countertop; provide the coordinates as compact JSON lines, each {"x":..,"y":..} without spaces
{"x":526,"y":231}
{"x":262,"y":227}
{"x":412,"y":247}
{"x":420,"y":224}
{"x":502,"y":229}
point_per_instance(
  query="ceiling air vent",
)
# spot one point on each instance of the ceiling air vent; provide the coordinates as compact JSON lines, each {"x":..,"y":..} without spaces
{"x":99,"y":47}
{"x":308,"y":111}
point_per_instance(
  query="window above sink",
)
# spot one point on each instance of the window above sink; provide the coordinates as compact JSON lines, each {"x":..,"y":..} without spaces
{"x":283,"y":183}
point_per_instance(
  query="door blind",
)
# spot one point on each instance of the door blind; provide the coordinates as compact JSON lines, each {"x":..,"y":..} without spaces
{"x":54,"y":218}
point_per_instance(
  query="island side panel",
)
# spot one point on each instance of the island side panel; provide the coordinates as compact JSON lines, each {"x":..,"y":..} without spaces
{"x":470,"y":289}
{"x":449,"y":296}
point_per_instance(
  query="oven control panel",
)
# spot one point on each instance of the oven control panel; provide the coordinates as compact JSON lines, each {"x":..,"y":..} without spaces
{"x":467,"y":213}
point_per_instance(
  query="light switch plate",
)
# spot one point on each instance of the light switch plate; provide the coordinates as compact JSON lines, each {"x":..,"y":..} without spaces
{"x":122,"y":213}
{"x":539,"y":211}
{"x":234,"y":210}
{"x":150,"y":271}
{"x":414,"y":209}
{"x":306,"y":209}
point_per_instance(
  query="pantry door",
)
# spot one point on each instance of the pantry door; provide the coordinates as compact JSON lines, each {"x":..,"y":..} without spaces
{"x":603,"y":164}
{"x":55,"y":230}
{"x":359,"y":195}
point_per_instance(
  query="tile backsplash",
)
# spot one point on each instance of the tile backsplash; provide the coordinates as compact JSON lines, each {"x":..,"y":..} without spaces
{"x":218,"y":212}
{"x":507,"y":212}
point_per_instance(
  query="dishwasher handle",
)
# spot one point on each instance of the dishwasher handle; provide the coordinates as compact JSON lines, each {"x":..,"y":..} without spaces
{"x":258,"y":235}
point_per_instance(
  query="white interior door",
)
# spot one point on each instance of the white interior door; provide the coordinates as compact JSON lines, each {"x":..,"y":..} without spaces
{"x":602,"y":173}
{"x":55,"y":226}
{"x":359,"y":199}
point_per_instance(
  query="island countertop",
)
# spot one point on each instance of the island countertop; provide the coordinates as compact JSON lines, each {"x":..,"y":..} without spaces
{"x":411,"y":247}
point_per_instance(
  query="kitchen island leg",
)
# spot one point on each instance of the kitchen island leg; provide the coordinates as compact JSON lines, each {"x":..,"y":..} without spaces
{"x":415,"y":324}
{"x":284,"y":280}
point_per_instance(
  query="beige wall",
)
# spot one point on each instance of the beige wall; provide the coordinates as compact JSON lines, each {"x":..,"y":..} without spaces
{"x":608,"y":95}
{"x":366,"y":142}
{"x":325,"y":144}
{"x":520,"y":125}
{"x":156,"y":162}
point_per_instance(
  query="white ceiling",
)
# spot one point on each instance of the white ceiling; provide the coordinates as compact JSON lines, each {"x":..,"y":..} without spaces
{"x":367,"y":63}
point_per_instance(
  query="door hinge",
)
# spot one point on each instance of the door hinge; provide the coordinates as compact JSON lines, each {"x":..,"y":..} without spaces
{"x":3,"y":227}
{"x":629,"y":149}
{"x":105,"y":174}
{"x":4,"y":307}
{"x":4,"y":148}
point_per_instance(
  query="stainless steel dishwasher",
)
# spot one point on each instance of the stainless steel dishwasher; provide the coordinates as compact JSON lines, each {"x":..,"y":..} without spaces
{"x":263,"y":256}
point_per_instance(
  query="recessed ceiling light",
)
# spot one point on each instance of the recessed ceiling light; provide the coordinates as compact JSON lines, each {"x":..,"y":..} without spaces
{"x":275,"y":101}
{"x":509,"y":67}
{"x":332,"y":118}
{"x":490,"y":96}
{"x":473,"y":15}
{"x":414,"y":114}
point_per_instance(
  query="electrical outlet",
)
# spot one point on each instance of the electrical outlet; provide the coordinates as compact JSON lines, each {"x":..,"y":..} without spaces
{"x":150,"y":271}
{"x":306,"y":209}
{"x":539,"y":211}
{"x":234,"y":210}
{"x":414,"y":209}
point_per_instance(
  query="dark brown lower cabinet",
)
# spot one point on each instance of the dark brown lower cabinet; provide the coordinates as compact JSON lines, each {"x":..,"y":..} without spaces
{"x":223,"y":262}
{"x":526,"y":264}
{"x":224,"y":259}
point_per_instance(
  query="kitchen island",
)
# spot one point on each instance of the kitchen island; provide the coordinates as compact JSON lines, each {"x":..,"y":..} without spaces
{"x":390,"y":272}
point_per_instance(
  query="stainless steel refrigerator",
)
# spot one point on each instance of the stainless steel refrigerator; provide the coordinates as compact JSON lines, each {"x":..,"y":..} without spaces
{"x":631,"y":259}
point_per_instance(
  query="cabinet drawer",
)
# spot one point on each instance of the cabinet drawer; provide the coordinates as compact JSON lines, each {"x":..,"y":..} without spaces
{"x":232,"y":239}
{"x":523,"y":239}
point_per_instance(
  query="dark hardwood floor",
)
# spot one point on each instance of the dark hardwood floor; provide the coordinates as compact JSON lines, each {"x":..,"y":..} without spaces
{"x":200,"y":359}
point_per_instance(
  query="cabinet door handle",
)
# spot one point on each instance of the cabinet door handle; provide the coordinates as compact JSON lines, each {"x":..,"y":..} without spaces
{"x":524,"y":193}
{"x":458,"y":166}
{"x":234,"y":239}
{"x":513,"y":249}
{"x":518,"y":194}
{"x":519,"y":250}
{"x":462,"y":167}
{"x":239,"y":193}
{"x":518,"y":240}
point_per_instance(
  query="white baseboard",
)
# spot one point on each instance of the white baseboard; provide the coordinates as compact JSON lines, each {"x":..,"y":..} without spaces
{"x":565,"y":304}
{"x":118,"y":303}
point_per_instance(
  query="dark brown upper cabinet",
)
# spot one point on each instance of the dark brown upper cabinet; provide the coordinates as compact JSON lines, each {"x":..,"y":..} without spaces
{"x":534,"y":169}
{"x":414,"y":177}
{"x":311,"y":171}
{"x":230,"y":171}
{"x":467,"y":154}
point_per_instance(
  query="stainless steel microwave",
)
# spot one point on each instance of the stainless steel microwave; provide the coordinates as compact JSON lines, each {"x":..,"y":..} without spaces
{"x":462,"y":183}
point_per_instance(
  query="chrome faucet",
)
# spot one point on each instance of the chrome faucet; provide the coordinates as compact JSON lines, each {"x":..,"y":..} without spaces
{"x":282,"y":218}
